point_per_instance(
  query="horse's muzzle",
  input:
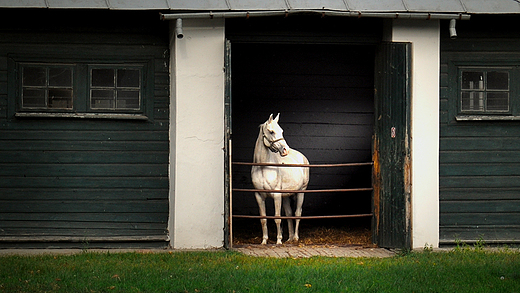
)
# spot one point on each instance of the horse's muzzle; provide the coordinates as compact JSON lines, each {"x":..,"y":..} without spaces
{"x":280,"y":149}
{"x":273,"y":149}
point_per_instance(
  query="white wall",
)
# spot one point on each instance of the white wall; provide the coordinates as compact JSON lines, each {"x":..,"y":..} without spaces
{"x":424,"y":36}
{"x":197,"y":135}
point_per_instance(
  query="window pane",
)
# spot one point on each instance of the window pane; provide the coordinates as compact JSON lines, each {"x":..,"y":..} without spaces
{"x":34,"y":76}
{"x":497,"y":80}
{"x":116,"y":88}
{"x":60,"y":98}
{"x":127,"y":99}
{"x":128,"y":78}
{"x":472,"y":80}
{"x":472,"y":101}
{"x":33,"y":98}
{"x":103,"y":77}
{"x":102,"y":99}
{"x":60,"y":77}
{"x":497,"y":101}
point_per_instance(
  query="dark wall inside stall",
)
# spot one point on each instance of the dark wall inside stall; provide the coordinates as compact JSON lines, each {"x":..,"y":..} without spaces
{"x":324,"y":94}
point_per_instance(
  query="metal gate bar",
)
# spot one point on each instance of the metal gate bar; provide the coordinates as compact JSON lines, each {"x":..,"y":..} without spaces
{"x":303,"y":191}
{"x":305,"y":165}
{"x":297,"y":191}
{"x":303,"y":217}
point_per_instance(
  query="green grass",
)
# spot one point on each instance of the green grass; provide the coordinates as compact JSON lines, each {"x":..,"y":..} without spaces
{"x":461,"y":270}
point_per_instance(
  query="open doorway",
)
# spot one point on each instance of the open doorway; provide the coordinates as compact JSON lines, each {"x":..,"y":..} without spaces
{"x":325,"y":96}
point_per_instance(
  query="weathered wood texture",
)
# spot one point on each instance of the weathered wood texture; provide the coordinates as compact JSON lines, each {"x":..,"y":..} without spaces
{"x":391,"y":150}
{"x":324,"y":94}
{"x":479,"y":160}
{"x":84,"y":180}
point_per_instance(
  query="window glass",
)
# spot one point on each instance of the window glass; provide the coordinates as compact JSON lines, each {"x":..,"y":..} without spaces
{"x":47,"y":87}
{"x":103,"y":77}
{"x":127,"y":99}
{"x":60,"y":98}
{"x":61,"y":77}
{"x":497,"y":80}
{"x":33,"y":98}
{"x":484,"y":91}
{"x":34,"y":76}
{"x":80,"y":87}
{"x":102,"y":99}
{"x":115,"y":88}
{"x":472,"y":80}
{"x":497,"y":101}
{"x":472,"y":101}
{"x":128,"y":78}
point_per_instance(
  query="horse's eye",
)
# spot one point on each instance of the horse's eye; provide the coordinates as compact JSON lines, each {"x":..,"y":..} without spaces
{"x":271,"y":131}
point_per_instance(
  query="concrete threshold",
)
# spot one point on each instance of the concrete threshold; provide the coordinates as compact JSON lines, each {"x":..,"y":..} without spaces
{"x":304,"y":251}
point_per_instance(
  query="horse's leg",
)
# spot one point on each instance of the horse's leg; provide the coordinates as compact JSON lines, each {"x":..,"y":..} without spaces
{"x":288,"y":213}
{"x":298,"y":213}
{"x":277,"y":197}
{"x":260,"y":199}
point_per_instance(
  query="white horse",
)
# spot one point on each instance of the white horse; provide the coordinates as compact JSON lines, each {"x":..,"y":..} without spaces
{"x":271,"y":147}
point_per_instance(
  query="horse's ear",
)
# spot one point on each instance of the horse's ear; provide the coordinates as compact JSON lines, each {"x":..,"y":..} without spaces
{"x":277,"y":117}
{"x":270,"y":118}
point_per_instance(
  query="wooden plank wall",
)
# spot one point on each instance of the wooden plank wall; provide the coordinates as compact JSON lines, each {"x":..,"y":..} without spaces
{"x":391,"y":153}
{"x":82,"y":180}
{"x":480,"y":160}
{"x":324,"y":94}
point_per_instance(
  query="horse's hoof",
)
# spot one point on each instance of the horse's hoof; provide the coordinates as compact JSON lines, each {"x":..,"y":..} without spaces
{"x":292,"y":241}
{"x":264,"y":242}
{"x":279,"y":242}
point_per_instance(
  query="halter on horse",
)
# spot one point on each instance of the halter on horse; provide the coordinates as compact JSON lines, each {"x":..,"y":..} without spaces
{"x":270,"y":144}
{"x":271,"y":147}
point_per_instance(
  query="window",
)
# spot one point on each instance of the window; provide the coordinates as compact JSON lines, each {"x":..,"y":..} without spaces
{"x":115,"y":89}
{"x":480,"y":86}
{"x":81,"y":90}
{"x":484,"y":91}
{"x":47,"y":87}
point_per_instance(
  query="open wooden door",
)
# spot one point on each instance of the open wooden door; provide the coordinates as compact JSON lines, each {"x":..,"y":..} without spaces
{"x":391,"y":146}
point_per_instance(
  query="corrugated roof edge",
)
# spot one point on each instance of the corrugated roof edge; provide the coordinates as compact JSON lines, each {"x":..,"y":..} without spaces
{"x":323,"y":12}
{"x":337,"y":12}
{"x":374,"y":7}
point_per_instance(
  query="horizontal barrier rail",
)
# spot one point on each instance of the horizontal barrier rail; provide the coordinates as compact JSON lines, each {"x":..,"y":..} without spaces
{"x":303,"y":217}
{"x":305,"y":165}
{"x":304,"y":191}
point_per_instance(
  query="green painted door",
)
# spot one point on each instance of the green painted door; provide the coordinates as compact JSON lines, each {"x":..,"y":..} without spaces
{"x":391,"y":146}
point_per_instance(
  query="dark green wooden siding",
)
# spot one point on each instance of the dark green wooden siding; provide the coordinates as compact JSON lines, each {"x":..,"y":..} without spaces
{"x":479,"y":160}
{"x":84,"y":180}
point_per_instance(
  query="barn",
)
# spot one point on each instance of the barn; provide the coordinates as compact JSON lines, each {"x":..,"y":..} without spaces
{"x":121,"y":120}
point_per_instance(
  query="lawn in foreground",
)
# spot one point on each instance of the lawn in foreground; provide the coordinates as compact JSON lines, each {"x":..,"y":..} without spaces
{"x":224,"y":271}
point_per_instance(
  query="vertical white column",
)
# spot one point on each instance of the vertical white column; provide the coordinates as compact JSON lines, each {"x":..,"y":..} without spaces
{"x":425,"y":39}
{"x":197,"y":135}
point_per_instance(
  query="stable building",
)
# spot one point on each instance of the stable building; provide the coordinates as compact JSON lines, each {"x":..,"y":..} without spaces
{"x":120,"y":120}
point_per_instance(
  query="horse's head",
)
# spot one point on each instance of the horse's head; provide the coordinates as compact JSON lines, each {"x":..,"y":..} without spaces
{"x":273,"y":136}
